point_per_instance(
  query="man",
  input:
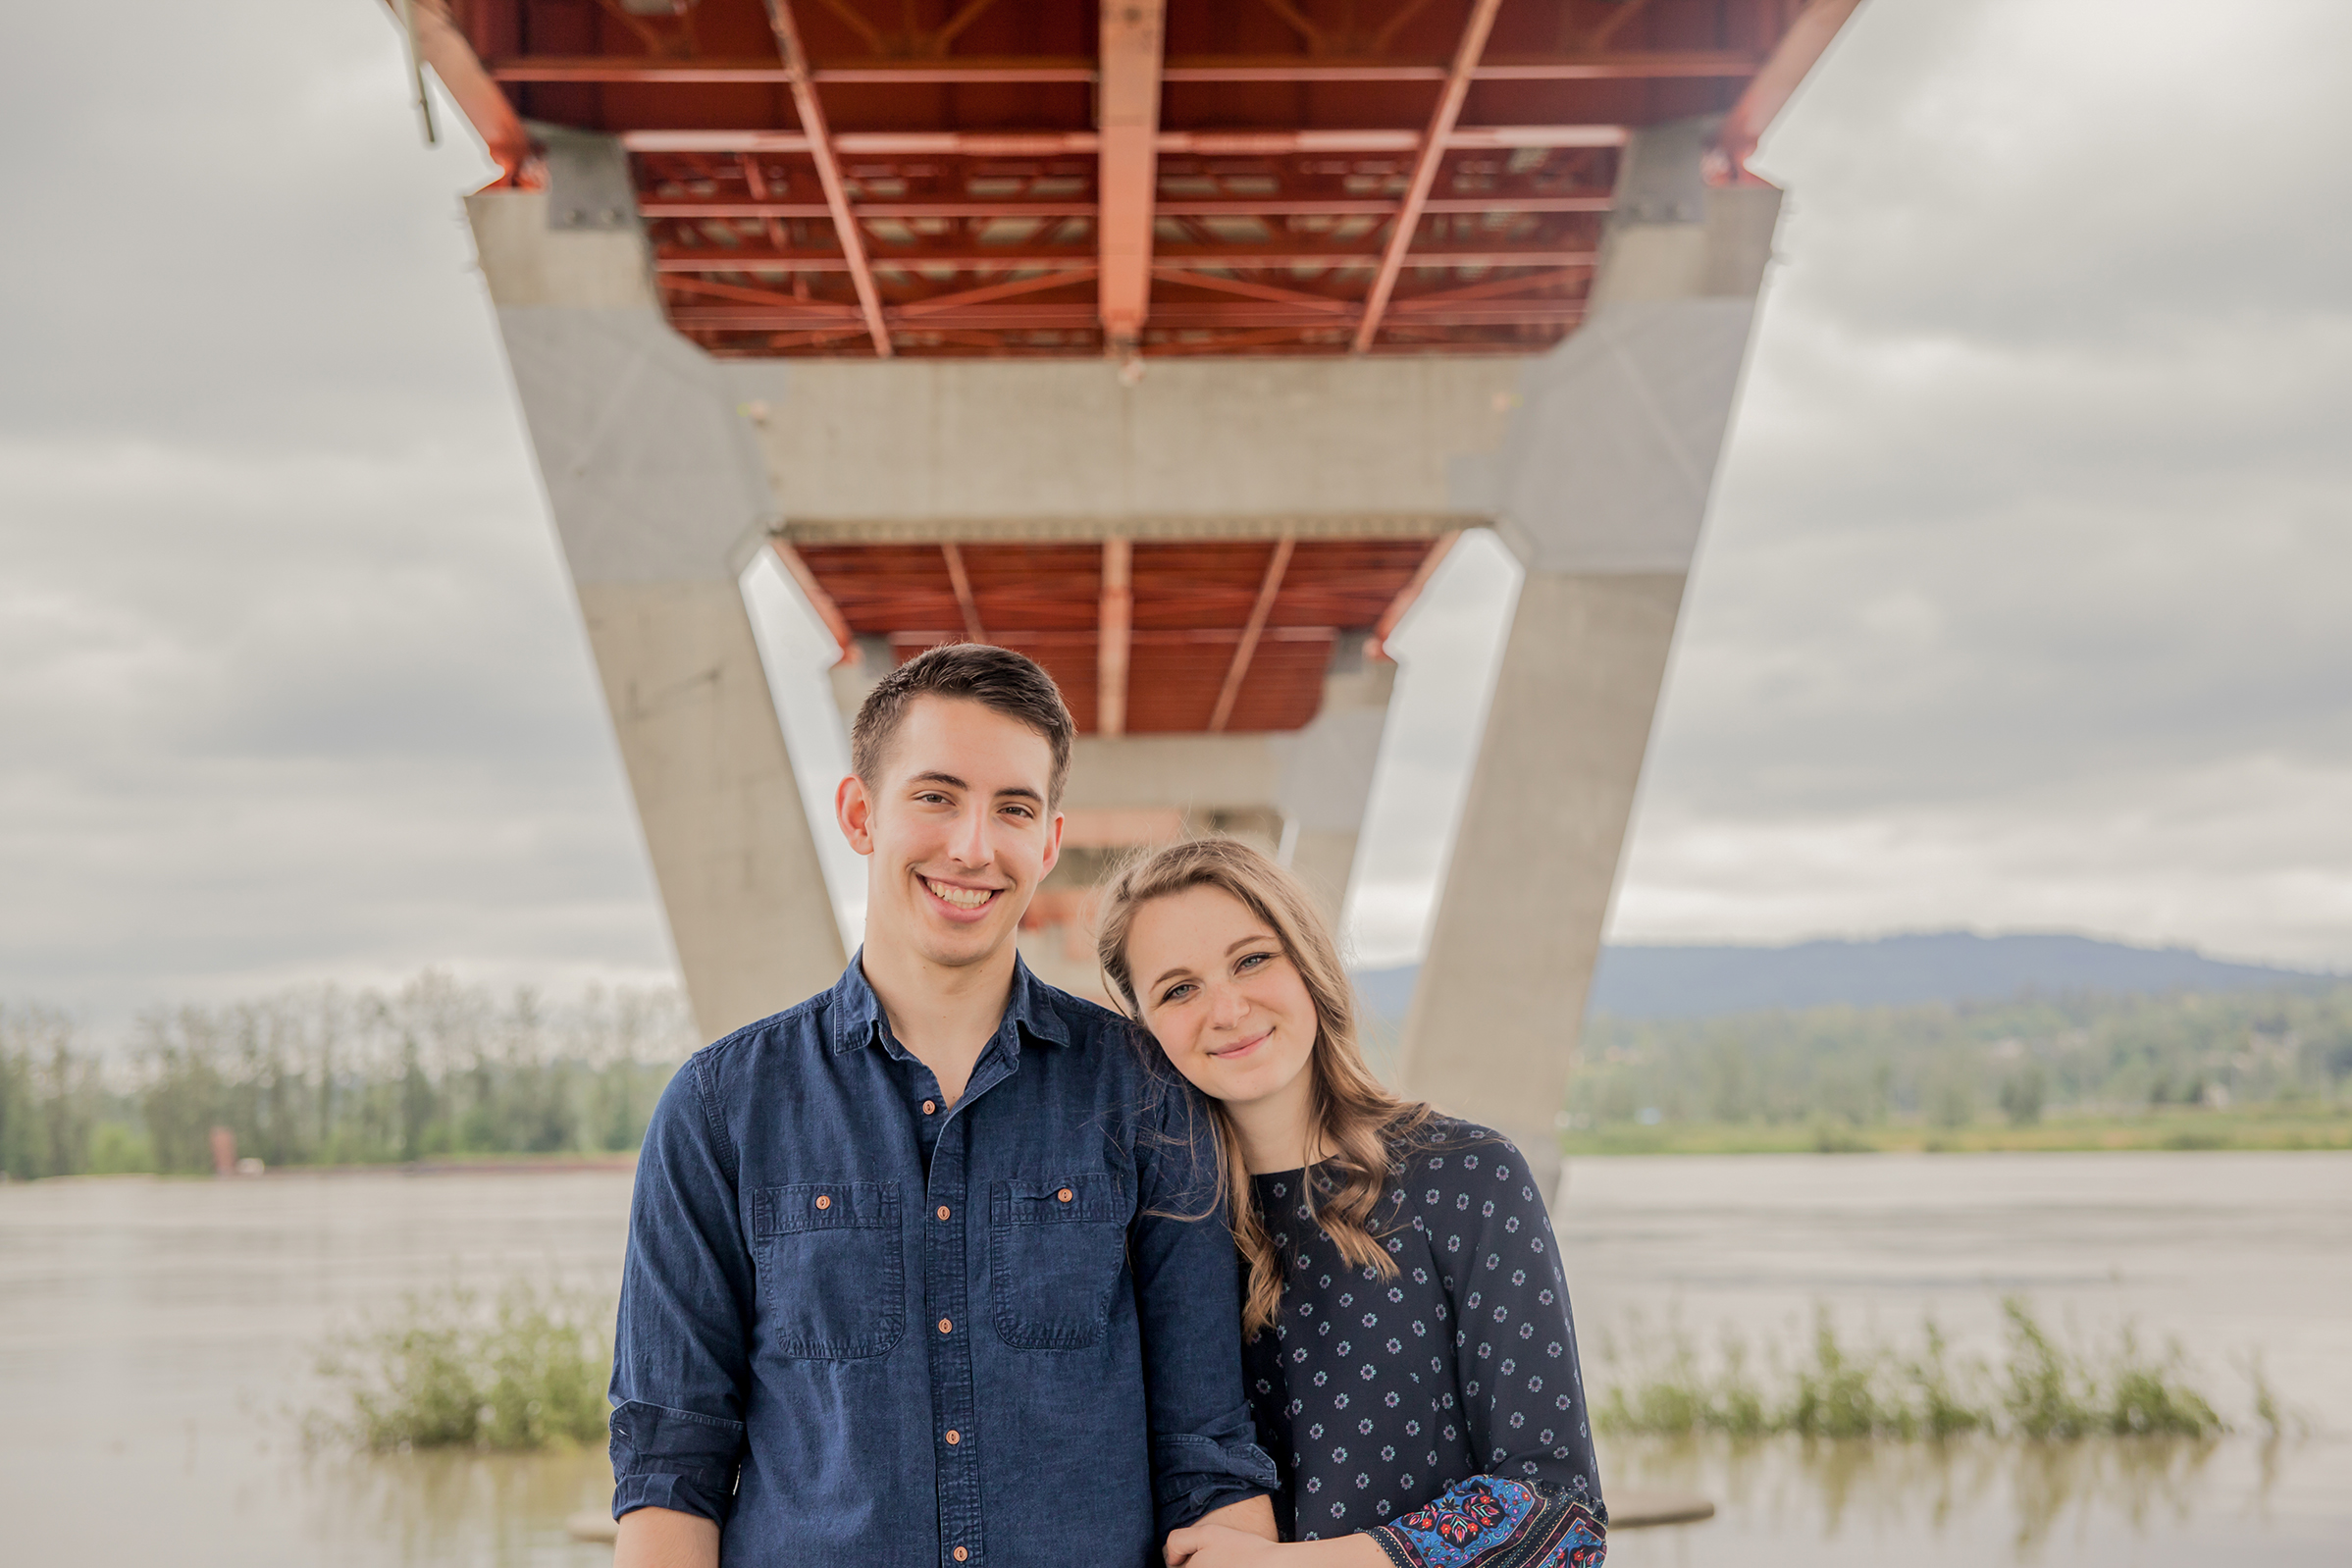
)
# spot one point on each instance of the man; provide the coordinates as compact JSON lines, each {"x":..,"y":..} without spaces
{"x":926,"y":1270}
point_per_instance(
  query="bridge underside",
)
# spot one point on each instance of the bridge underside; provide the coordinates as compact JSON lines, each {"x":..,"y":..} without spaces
{"x":1171,"y":341}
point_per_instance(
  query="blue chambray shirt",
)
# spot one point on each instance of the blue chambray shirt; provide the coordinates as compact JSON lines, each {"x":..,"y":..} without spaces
{"x":854,"y":1329}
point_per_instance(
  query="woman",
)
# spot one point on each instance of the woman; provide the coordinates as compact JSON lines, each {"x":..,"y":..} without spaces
{"x":1411,"y":1362}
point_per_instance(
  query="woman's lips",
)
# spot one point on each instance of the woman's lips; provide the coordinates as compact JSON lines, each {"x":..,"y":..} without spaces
{"x":1241,"y":1048}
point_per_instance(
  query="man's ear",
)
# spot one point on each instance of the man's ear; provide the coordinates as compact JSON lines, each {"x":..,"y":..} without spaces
{"x":853,"y":810}
{"x":1053,"y":844}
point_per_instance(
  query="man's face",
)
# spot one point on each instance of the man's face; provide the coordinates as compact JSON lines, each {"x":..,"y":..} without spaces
{"x":955,"y":831}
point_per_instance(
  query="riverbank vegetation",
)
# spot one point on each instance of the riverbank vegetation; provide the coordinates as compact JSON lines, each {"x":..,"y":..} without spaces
{"x":2039,"y":1389}
{"x":448,"y":1369}
{"x":434,"y":1069}
{"x":2233,"y":1069}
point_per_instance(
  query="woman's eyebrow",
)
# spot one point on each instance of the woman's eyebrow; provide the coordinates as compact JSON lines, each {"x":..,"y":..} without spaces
{"x":1251,"y":940}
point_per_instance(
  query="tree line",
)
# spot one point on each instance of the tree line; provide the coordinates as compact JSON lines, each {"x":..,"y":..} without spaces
{"x":1951,"y":1065}
{"x":320,"y":1077}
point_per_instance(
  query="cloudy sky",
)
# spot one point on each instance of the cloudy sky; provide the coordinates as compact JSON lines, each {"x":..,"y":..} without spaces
{"x":2024,"y":604}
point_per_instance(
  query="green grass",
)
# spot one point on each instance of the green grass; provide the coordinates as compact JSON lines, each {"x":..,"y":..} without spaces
{"x":2040,"y":1389}
{"x":2255,"y":1128}
{"x":447,"y":1370}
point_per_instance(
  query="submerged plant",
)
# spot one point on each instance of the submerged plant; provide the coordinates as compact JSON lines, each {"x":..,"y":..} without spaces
{"x":2042,"y":1390}
{"x":443,"y":1372}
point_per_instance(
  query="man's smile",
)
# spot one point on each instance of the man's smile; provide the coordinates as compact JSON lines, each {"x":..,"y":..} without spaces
{"x":957,"y":897}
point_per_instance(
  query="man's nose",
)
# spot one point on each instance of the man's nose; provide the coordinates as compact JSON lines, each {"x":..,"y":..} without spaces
{"x":970,"y":846}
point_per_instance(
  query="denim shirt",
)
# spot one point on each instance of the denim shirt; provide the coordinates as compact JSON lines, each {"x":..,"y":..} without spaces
{"x":845,"y":1357}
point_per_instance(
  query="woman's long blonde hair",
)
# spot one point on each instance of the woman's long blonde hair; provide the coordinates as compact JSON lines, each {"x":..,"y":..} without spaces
{"x":1358,"y":1124}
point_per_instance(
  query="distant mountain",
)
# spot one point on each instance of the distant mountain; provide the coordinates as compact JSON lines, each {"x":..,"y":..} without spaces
{"x":1887,"y":972}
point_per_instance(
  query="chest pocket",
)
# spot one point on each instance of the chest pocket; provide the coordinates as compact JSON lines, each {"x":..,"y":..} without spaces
{"x":830,"y":1269}
{"x":1056,"y":1247}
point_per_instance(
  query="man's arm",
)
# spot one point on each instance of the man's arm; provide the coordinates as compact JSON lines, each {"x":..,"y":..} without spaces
{"x":1205,"y":1456}
{"x":680,"y":1358}
{"x":659,"y":1538}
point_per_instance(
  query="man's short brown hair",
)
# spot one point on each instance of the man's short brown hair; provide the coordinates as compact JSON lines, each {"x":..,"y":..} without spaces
{"x":997,"y":678}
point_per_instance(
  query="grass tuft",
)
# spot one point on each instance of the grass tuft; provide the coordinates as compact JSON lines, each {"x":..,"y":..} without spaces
{"x":445,"y":1371}
{"x":2042,"y":1390}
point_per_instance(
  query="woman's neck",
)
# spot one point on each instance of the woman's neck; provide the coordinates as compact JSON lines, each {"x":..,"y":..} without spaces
{"x":1279,"y":1132}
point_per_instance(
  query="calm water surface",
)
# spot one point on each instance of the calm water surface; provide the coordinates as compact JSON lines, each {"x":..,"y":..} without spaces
{"x":155,"y":1347}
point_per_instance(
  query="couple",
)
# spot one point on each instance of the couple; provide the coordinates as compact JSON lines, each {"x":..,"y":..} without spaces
{"x":945,"y":1267}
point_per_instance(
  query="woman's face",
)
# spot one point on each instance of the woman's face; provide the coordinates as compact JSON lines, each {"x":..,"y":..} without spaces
{"x":1221,"y":996}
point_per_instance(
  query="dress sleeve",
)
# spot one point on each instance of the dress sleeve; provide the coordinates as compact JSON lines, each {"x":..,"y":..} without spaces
{"x":1515,"y":1361}
{"x":680,"y":1356}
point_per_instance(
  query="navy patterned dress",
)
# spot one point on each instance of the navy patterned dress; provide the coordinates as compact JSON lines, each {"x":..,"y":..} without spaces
{"x":1442,"y":1409}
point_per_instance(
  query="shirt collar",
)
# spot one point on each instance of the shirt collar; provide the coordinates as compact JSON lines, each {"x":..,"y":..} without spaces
{"x":858,"y":1013}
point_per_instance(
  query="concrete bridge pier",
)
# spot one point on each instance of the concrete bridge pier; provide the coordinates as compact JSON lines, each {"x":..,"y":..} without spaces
{"x":1600,"y":492}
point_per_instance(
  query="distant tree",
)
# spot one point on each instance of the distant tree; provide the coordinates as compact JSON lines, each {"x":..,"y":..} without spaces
{"x":2022,"y":1094}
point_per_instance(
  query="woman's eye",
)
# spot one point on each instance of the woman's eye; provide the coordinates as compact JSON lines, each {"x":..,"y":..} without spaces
{"x":1251,"y":960}
{"x":1174,"y":993}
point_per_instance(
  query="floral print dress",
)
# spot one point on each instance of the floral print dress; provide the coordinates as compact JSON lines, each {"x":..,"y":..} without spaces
{"x":1440,"y":1409}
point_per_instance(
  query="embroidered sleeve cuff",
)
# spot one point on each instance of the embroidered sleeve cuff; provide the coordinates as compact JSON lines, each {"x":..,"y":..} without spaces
{"x":1197,"y":1473}
{"x":676,"y":1459}
{"x":1491,"y":1520}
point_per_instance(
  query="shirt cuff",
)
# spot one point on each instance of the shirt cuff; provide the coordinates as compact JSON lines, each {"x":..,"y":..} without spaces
{"x":1195,"y":1472}
{"x":675,"y":1459}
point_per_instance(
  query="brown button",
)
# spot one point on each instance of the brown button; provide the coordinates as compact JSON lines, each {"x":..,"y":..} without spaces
{"x":961,"y":1554}
{"x":823,"y":1202}
{"x":952,"y":1438}
{"x":930,"y":1107}
{"x":1064,"y":1195}
{"x":947,"y":1325}
{"x":943,"y":1210}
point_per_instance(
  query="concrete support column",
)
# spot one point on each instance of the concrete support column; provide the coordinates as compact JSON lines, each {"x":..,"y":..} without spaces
{"x":1326,"y":780}
{"x":1599,"y":491}
{"x":660,"y":498}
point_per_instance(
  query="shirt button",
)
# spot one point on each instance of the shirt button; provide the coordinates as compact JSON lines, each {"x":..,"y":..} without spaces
{"x":1064,"y":1194}
{"x":943,"y":1210}
{"x":947,"y":1326}
{"x":961,"y":1554}
{"x":823,"y":1202}
{"x":930,"y":1107}
{"x":954,"y":1438}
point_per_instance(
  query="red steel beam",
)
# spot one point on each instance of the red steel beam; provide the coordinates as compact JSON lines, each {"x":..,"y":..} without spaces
{"x":1425,"y":168}
{"x":961,"y":580}
{"x":828,"y":170}
{"x":477,"y":95}
{"x":643,"y":69}
{"x":1247,"y":649}
{"x":1127,"y":113}
{"x":1178,"y":315}
{"x":1166,"y":259}
{"x":1768,"y":93}
{"x":818,"y":599}
{"x":1115,"y":626}
{"x":1209,"y":207}
{"x":1377,"y":646}
{"x":1271,"y":143}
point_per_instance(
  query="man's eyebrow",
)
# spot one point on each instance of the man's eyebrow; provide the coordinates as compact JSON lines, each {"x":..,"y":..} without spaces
{"x":1020,"y":792}
{"x":937,"y":777}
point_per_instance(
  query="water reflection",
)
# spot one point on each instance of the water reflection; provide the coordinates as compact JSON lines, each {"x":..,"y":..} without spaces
{"x":2031,"y":1502}
{"x":476,"y":1510}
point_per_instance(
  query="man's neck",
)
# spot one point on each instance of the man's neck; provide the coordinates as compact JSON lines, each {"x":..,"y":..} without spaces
{"x":944,"y":1015}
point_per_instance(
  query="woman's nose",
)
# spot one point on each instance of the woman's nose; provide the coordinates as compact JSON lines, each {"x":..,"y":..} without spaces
{"x":1226,"y":1006}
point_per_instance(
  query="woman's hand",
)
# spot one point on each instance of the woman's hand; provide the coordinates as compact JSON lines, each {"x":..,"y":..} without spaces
{"x":1215,"y":1547}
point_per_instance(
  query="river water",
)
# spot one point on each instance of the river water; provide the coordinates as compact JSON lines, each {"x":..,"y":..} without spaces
{"x":156,"y":1347}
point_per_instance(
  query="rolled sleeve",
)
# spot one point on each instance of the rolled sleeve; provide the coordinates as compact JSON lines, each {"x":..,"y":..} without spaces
{"x":680,"y":1355}
{"x":673,"y":1459}
{"x":1187,"y":1298}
